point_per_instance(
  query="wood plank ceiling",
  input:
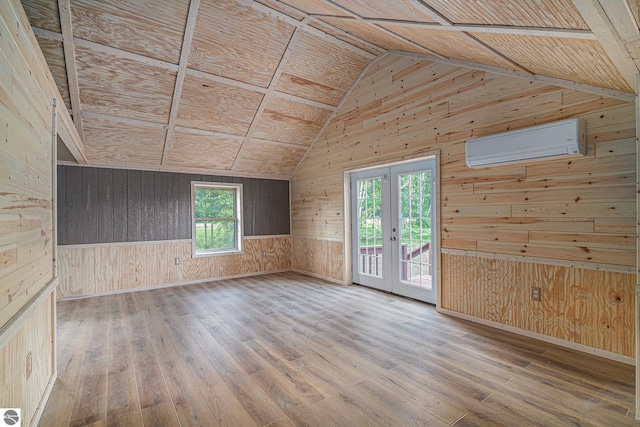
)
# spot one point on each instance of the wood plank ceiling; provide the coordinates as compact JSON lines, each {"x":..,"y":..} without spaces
{"x":245,"y":87}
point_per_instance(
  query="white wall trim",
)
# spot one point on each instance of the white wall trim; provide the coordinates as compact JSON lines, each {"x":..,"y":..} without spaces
{"x":320,"y":276}
{"x":546,"y":261}
{"x":45,"y":398}
{"x":170,"y":285}
{"x":546,"y":338}
{"x":11,"y":328}
{"x":158,"y":242}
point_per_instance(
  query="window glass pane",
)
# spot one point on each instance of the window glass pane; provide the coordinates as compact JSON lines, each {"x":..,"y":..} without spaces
{"x":217,"y":226}
{"x":215,"y":234}
{"x":212,"y":203}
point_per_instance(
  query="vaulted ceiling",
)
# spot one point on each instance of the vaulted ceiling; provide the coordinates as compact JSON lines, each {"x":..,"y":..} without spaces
{"x":245,"y":87}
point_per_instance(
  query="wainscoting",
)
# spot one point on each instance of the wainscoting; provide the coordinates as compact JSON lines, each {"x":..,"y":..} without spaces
{"x":107,"y":268}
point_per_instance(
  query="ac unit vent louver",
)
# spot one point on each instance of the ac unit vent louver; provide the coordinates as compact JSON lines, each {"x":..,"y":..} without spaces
{"x":558,"y":139}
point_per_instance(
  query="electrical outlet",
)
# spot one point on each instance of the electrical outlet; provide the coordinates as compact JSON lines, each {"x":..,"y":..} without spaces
{"x":177,"y":261}
{"x":29,"y":364}
{"x":264,"y":253}
{"x":311,"y":254}
{"x":535,"y":293}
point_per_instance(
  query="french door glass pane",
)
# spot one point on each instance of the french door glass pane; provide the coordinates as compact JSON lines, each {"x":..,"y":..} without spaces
{"x":370,"y":226}
{"x":415,"y":229}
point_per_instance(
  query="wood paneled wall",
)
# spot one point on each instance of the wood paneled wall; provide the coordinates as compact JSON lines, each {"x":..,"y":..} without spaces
{"x":319,"y":257}
{"x":97,"y":205}
{"x":97,"y":269}
{"x":572,"y":216}
{"x":589,"y":307}
{"x":36,"y":336}
{"x":26,"y":215}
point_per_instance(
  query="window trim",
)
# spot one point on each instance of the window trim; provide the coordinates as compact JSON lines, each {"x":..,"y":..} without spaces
{"x":239,"y":232}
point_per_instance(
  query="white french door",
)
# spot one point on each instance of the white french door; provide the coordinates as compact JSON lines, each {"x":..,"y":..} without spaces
{"x":393,"y":233}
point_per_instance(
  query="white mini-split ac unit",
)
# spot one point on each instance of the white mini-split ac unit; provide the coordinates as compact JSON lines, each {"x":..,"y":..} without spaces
{"x":552,"y":140}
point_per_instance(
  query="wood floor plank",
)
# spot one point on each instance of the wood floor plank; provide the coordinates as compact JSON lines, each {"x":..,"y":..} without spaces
{"x":339,"y":415}
{"x":286,"y":350}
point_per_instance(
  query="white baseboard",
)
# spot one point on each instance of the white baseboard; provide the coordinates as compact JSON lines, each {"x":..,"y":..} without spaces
{"x":168,"y":285}
{"x":45,"y":398}
{"x":320,"y":276}
{"x":558,"y":341}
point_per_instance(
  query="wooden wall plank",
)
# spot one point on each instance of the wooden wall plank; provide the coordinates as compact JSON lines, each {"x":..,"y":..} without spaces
{"x":587,"y":307}
{"x":134,"y":206}
{"x":120,"y":205}
{"x":105,"y":205}
{"x":73,"y":211}
{"x":62,"y":205}
{"x":161,"y":209}
{"x":148,"y":206}
{"x":90,"y":200}
{"x":27,"y":319}
{"x":111,"y":268}
{"x":573,"y":211}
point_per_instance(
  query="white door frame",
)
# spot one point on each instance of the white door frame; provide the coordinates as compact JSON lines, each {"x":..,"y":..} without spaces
{"x":348,"y":232}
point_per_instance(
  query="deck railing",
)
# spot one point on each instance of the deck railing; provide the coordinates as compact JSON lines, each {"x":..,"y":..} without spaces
{"x":371,"y":258}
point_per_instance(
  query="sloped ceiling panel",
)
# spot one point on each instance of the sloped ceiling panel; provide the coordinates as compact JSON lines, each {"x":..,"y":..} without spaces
{"x":375,"y":35}
{"x":320,"y":71}
{"x":214,"y":106}
{"x":122,"y":87}
{"x":452,"y":45}
{"x":146,"y":27}
{"x":316,"y":7}
{"x":401,"y":10}
{"x":43,"y":14}
{"x":54,"y":54}
{"x":291,"y":122}
{"x":244,"y":87}
{"x":525,"y":13}
{"x":198,"y":151}
{"x":107,"y":141}
{"x":269,"y":158}
{"x":238,"y":42}
{"x":576,"y":60}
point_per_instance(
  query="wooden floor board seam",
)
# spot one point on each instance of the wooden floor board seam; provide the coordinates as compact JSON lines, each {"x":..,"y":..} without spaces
{"x":286,"y":349}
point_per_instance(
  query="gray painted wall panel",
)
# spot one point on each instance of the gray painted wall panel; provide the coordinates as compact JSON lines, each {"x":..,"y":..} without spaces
{"x":97,"y":205}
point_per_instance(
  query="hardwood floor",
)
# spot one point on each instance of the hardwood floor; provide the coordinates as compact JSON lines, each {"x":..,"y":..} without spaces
{"x":288,"y":350}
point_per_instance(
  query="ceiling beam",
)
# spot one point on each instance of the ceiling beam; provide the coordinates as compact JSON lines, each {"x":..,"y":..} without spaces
{"x":473,"y":28}
{"x":50,"y":35}
{"x":567,"y":84}
{"x":267,"y":96}
{"x":304,"y":25}
{"x":446,"y":22}
{"x":605,"y":31}
{"x":70,"y":63}
{"x":182,"y":70}
{"x":623,"y":19}
{"x":384,"y":30}
{"x":90,"y":115}
{"x":305,"y":101}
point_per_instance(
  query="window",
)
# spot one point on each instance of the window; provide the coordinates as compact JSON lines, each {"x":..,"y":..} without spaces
{"x":217,"y":218}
